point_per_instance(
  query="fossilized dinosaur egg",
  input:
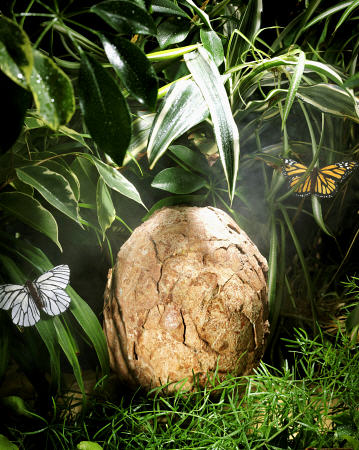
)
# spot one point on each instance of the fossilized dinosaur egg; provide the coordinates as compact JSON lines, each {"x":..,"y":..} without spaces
{"x":187,"y":293}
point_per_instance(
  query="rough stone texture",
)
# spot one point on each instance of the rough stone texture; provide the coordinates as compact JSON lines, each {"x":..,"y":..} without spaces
{"x":188,"y":290}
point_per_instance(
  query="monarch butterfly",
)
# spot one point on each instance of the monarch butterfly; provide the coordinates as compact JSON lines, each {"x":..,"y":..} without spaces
{"x":46,"y":293}
{"x":321,"y":182}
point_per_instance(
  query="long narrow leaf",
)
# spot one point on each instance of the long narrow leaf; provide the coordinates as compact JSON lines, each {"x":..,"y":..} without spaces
{"x":53,"y":187}
{"x":182,"y":108}
{"x":318,"y":216}
{"x":68,"y":348}
{"x":31,"y":212}
{"x":293,"y":87}
{"x":206,"y":75}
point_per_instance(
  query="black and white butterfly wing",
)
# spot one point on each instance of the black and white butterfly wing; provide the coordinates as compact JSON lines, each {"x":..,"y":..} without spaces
{"x":51,"y":289}
{"x":47,"y":292}
{"x":24,"y":311}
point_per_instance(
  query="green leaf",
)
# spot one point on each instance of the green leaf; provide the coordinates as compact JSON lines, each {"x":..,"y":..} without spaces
{"x":115,"y":180}
{"x":133,"y":69}
{"x":87,"y":175}
{"x":213,"y":44}
{"x":173,"y":53}
{"x":330,"y":99}
{"x":52,"y":91}
{"x":59,"y":166}
{"x":5,"y":444}
{"x":172,"y":31}
{"x":91,"y":326}
{"x":104,"y":108}
{"x":206,"y":75}
{"x":346,"y":13}
{"x":16,"y":57}
{"x":30,"y":211}
{"x":105,"y":210}
{"x":15,"y":101}
{"x":141,"y":129}
{"x":125,"y":17}
{"x":167,"y":7}
{"x":53,"y":187}
{"x":193,"y":160}
{"x":328,"y":12}
{"x":182,"y":108}
{"x":293,"y":87}
{"x":67,"y":344}
{"x":178,"y":181}
{"x":242,"y":38}
{"x":318,"y":216}
{"x":88,"y":445}
{"x":199,"y":11}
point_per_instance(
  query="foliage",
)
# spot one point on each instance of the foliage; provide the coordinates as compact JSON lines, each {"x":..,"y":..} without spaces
{"x":311,"y":402}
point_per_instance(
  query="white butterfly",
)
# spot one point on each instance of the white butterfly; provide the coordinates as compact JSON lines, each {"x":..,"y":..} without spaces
{"x":46,"y":293}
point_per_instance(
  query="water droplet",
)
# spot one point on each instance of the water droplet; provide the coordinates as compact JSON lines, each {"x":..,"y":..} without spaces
{"x":20,"y":76}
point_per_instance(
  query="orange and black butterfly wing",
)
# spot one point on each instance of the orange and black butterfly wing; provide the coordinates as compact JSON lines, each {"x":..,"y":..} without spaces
{"x":294,"y":171}
{"x":328,"y":177}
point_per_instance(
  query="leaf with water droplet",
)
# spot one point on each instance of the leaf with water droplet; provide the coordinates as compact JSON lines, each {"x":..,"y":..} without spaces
{"x":16,"y":57}
{"x":52,"y":91}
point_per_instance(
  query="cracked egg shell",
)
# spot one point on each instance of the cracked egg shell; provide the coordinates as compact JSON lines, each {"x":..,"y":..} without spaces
{"x":188,"y":291}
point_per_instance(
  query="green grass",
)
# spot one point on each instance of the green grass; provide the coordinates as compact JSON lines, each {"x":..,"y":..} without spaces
{"x":312,"y":401}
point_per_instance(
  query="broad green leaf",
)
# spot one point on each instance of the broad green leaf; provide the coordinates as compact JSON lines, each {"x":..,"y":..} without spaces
{"x":31,"y":212}
{"x":104,"y":108}
{"x":59,"y":166}
{"x":52,"y":90}
{"x":14,"y":102}
{"x":125,"y":17}
{"x":16,"y":57}
{"x":133,"y":68}
{"x":53,"y":187}
{"x":193,"y":160}
{"x":330,"y":99}
{"x":167,"y":7}
{"x":88,"y":445}
{"x":141,"y":129}
{"x":75,"y":135}
{"x":105,"y":210}
{"x":19,"y":186}
{"x":87,"y":175}
{"x":182,"y":108}
{"x":115,"y":180}
{"x":213,"y":44}
{"x":178,"y":181}
{"x":293,"y":87}
{"x":172,"y":31}
{"x":206,"y":75}
{"x":5,"y":444}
